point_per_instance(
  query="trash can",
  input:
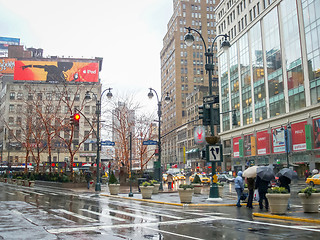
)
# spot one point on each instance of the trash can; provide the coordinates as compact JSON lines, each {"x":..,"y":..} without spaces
{"x":140,"y":181}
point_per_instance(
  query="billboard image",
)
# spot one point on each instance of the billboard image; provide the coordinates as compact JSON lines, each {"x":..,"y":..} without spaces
{"x":7,"y":65}
{"x":299,"y":136}
{"x":316,"y":132}
{"x":263,"y":143}
{"x":278,"y":140}
{"x":56,"y":71}
{"x":236,"y":149}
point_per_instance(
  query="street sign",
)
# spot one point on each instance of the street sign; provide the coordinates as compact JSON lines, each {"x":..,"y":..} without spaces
{"x":107,"y":143}
{"x":150,"y":142}
{"x":215,"y":153}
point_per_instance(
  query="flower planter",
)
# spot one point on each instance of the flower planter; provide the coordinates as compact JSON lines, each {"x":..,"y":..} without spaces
{"x":197,"y":188}
{"x":146,"y":191}
{"x":14,"y":181}
{"x":156,"y":188}
{"x":185,"y":195}
{"x":31,"y":183}
{"x":114,"y":189}
{"x":25,"y":183}
{"x":278,"y":202}
{"x":5,"y":180}
{"x":19,"y":182}
{"x":310,"y":203}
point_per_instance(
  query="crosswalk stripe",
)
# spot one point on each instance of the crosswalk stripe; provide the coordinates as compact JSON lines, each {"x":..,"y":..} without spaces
{"x":76,"y":215}
{"x":103,"y":215}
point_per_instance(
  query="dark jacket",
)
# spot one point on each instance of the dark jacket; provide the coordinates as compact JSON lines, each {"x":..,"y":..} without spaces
{"x":261,"y":185}
{"x":284,"y":182}
{"x":250,"y":183}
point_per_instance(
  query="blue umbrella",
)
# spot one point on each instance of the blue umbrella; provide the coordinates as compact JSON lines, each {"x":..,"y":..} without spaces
{"x":265,"y":173}
{"x":287,"y":172}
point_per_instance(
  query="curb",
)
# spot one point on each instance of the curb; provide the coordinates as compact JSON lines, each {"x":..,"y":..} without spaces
{"x":286,"y":218}
{"x":176,"y":204}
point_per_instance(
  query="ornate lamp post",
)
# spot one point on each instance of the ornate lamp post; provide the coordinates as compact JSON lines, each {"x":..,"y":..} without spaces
{"x":209,"y":67}
{"x":167,"y":99}
{"x":97,"y":133}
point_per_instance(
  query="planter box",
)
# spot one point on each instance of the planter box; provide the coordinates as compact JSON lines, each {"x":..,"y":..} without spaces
{"x":156,"y":188}
{"x":278,"y":202}
{"x":31,"y":183}
{"x":146,"y":192}
{"x":310,"y":203}
{"x":114,"y":189}
{"x":185,"y":195}
{"x":197,"y":188}
{"x":5,"y":180}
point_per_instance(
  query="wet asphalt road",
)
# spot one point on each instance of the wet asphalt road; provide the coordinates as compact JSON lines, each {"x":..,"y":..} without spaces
{"x":42,"y":213}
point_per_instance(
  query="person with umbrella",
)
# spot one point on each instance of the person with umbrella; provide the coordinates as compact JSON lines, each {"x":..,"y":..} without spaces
{"x":264,"y":176}
{"x":250,"y":175}
{"x":285,"y":176}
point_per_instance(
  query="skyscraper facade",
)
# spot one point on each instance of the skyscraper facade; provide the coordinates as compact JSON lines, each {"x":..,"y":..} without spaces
{"x":270,"y":76}
{"x":182,"y":68}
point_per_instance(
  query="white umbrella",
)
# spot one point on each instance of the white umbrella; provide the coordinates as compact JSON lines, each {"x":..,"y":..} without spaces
{"x":315,"y":171}
{"x":250,"y":172}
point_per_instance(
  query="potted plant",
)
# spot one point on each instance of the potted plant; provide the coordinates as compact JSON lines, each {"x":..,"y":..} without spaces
{"x":185,"y":193}
{"x":196,"y":183}
{"x":146,"y":189}
{"x":31,"y":180}
{"x":278,"y":198}
{"x":156,"y":185}
{"x":5,"y":178}
{"x":114,"y":186}
{"x":310,"y":199}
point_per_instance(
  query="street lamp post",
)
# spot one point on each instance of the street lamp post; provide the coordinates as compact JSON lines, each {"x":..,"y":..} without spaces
{"x":98,"y":113}
{"x":286,"y":138}
{"x":209,"y":67}
{"x":158,"y":166}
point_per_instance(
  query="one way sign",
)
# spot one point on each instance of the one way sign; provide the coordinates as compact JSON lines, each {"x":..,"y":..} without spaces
{"x":215,"y":153}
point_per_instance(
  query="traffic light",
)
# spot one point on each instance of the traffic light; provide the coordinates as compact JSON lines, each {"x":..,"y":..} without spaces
{"x":76,"y":119}
{"x":234,"y":119}
{"x":71,"y":120}
{"x":204,"y":114}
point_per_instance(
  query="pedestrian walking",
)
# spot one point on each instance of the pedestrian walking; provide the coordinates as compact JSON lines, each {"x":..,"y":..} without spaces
{"x":169,"y":181}
{"x":262,"y":186}
{"x":239,"y":186}
{"x":250,"y":183}
{"x":88,"y":178}
{"x":285,"y":182}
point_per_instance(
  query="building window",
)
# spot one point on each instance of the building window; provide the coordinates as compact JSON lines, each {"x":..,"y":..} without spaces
{"x":12,"y":95}
{"x":11,"y":108}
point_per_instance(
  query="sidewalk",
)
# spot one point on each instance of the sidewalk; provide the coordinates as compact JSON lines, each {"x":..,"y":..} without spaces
{"x":201,"y":200}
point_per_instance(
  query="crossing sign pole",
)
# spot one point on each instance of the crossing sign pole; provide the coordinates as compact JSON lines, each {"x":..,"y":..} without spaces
{"x":214,"y":154}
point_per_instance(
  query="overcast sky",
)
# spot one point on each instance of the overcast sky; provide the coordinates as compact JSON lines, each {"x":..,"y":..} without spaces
{"x":127,"y":34}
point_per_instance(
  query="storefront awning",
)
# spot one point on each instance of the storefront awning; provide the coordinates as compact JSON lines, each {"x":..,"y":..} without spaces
{"x":193,"y":150}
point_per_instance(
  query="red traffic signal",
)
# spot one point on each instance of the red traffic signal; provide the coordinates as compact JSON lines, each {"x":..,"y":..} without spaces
{"x":76,"y":118}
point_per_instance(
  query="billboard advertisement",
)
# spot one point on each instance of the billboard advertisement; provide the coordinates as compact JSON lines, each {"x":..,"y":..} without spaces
{"x":200,"y":135}
{"x":5,"y":42}
{"x":247,"y":145}
{"x":278,"y":140}
{"x":236,"y":152}
{"x":316,"y":132}
{"x":298,"y":136}
{"x":7,"y":65}
{"x":56,"y":71}
{"x":263,"y":143}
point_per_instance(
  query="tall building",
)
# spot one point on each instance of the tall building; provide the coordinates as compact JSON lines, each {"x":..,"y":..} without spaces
{"x":182,"y":68}
{"x":270,"y":76}
{"x":37,"y":98}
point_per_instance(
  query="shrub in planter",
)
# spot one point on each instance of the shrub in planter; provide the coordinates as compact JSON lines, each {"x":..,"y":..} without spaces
{"x":197,"y":184}
{"x":114,"y":186}
{"x":156,"y":185}
{"x":185,"y":193}
{"x":278,"y":200}
{"x":146,"y":189}
{"x":310,"y":199}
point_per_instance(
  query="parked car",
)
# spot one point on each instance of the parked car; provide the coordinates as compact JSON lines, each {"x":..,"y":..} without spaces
{"x":314,"y":180}
{"x":225,"y":178}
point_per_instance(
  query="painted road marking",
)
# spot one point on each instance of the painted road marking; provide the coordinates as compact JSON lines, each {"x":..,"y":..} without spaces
{"x":175,"y":234}
{"x":10,"y":193}
{"x":132,"y":215}
{"x":103,"y":215}
{"x":186,"y":221}
{"x":75,"y":215}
